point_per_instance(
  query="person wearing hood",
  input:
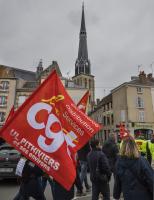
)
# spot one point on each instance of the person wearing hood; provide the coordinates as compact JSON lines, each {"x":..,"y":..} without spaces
{"x":98,"y":160}
{"x":134,"y":175}
{"x":150,"y":150}
{"x":110,"y":149}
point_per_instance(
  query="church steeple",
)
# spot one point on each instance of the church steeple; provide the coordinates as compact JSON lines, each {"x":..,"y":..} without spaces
{"x":39,"y":68}
{"x":83,"y":26}
{"x":82,"y":64}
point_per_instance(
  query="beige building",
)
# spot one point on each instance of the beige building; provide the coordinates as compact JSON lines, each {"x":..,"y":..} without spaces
{"x":131,"y":103}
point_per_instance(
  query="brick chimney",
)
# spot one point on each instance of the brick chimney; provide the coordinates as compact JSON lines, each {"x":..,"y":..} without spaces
{"x":142,"y":77}
{"x":149,"y":77}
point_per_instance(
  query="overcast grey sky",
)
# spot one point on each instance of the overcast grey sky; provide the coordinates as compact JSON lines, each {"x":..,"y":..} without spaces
{"x":120,"y":36}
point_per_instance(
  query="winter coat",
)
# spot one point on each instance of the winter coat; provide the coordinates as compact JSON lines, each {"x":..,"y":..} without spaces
{"x":126,"y":181}
{"x":98,"y":156}
{"x":83,"y":152}
{"x":111,"y":150}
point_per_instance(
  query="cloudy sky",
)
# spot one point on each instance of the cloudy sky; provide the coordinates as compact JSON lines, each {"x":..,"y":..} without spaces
{"x":120,"y":36}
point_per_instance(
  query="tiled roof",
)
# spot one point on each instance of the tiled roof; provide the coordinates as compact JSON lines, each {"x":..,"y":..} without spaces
{"x":31,"y":84}
{"x":17,"y":73}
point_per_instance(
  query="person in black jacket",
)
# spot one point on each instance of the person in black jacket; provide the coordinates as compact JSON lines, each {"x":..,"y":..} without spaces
{"x":97,"y":157}
{"x":111,"y":150}
{"x":30,"y":182}
{"x":134,"y":175}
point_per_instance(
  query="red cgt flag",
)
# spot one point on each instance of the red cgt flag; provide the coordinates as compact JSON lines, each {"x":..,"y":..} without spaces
{"x":123,"y":131}
{"x":82,"y":104}
{"x":48,"y":127}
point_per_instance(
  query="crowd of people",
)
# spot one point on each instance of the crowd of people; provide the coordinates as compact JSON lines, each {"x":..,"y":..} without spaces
{"x":132,"y":173}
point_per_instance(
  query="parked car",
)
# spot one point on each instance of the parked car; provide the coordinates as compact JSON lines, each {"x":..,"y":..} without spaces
{"x":9,"y":158}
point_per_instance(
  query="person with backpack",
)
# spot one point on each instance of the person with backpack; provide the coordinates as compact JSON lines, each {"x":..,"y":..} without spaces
{"x":133,"y":174}
{"x":110,"y":149}
{"x":98,"y":162}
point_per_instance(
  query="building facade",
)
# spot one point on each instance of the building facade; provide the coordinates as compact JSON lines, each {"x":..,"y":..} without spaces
{"x":131,"y":103}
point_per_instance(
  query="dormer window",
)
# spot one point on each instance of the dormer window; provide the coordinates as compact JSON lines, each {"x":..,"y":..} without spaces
{"x":139,"y":90}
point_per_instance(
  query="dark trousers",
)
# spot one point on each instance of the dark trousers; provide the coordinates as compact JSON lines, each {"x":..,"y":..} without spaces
{"x":78,"y":183}
{"x":103,"y":188}
{"x":32,"y":188}
{"x":83,"y":173}
{"x":60,"y":193}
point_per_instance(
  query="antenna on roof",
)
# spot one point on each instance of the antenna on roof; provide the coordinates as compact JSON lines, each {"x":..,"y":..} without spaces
{"x":151,"y":66}
{"x":139,"y":66}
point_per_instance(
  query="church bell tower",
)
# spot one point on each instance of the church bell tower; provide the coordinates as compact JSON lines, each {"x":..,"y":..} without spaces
{"x":83,"y":76}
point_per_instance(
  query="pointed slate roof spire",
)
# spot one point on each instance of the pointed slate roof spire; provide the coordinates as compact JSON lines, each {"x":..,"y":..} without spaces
{"x":83,"y":26}
{"x":82,"y":64}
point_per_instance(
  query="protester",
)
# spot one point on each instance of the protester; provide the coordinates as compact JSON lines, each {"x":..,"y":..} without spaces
{"x":110,"y":148}
{"x":30,"y":181}
{"x":150,"y":150}
{"x":82,"y":157}
{"x":141,"y":144}
{"x":96,"y":158}
{"x":134,"y":175}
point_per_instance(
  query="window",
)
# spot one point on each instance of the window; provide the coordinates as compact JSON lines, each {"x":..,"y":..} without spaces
{"x":3,"y":100}
{"x":140,"y":102}
{"x":2,"y":116}
{"x":112,"y":119}
{"x":141,"y":116}
{"x":104,"y":120}
{"x":108,"y":120}
{"x":139,"y":90}
{"x":122,"y":115}
{"x":85,"y":83}
{"x":70,"y":84}
{"x":80,"y":81}
{"x":4,"y":85}
{"x":108,"y":106}
{"x":89,"y":83}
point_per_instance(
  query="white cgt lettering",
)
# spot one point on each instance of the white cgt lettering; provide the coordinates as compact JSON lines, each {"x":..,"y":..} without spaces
{"x":58,"y":137}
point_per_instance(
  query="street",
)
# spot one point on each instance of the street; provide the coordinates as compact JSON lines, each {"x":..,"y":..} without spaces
{"x":8,"y":189}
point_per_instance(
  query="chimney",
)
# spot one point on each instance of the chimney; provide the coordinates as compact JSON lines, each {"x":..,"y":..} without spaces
{"x":149,"y":77}
{"x":142,"y":77}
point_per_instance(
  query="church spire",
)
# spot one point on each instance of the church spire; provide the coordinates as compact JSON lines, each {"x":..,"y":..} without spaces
{"x":83,"y":26}
{"x":82,"y":64}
